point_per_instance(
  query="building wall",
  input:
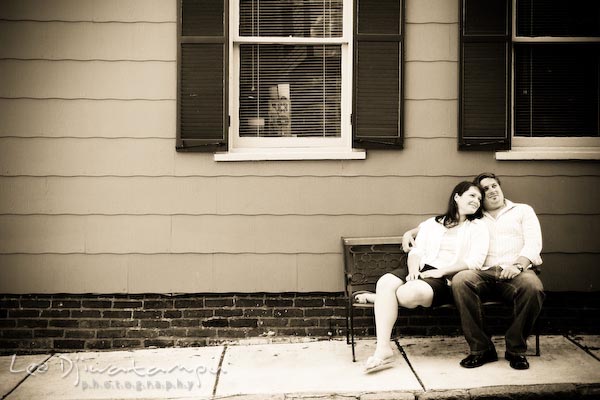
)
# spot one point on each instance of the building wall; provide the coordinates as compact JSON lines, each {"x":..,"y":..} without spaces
{"x":94,"y":198}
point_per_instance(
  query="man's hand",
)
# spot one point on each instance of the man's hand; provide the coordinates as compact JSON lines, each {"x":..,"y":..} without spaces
{"x":432,"y":273}
{"x":408,"y":241}
{"x":509,"y":271}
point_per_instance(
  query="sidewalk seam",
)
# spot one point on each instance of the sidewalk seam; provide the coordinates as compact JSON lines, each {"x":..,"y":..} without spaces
{"x":26,"y":376}
{"x":409,"y":364}
{"x":584,"y":348}
{"x":214,"y":392}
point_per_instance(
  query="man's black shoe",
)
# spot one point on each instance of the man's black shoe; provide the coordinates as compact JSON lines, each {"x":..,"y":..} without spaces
{"x":517,"y":361}
{"x":477,"y":360}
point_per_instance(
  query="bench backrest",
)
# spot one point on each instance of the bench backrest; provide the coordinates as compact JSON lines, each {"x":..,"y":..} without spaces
{"x":367,"y":259}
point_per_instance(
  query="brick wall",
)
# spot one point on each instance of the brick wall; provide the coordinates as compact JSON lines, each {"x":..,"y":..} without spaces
{"x":44,"y":323}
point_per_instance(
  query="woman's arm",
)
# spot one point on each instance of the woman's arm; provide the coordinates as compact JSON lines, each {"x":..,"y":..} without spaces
{"x":414,"y":263}
{"x":474,"y":259}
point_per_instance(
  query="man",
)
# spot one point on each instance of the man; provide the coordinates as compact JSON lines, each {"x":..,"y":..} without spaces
{"x":508,"y":273}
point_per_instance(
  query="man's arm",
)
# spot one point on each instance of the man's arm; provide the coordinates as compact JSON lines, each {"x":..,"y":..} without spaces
{"x":532,"y":236}
{"x":408,"y":239}
{"x":530,"y":254}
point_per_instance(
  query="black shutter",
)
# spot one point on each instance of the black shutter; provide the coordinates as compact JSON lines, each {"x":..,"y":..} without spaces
{"x":202,"y":116}
{"x":485,"y":75}
{"x":378,"y":63}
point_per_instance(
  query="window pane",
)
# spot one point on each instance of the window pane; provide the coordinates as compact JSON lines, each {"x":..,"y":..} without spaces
{"x":556,"y":89}
{"x":558,"y":18}
{"x":288,"y":90}
{"x":291,"y":18}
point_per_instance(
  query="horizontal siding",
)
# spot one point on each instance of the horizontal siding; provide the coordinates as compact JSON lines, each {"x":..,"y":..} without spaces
{"x":94,"y":198}
{"x":430,"y":119}
{"x":150,"y":80}
{"x":170,"y":273}
{"x":431,"y":80}
{"x":275,"y":195}
{"x":87,"y":41}
{"x":571,"y":272}
{"x":442,"y":40}
{"x":129,"y":157}
{"x":87,"y":118}
{"x":431,"y":11}
{"x":90,"y":10}
{"x":265,"y":234}
{"x":197,"y":273}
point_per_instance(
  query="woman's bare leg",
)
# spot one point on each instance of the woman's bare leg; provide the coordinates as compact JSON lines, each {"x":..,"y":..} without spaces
{"x":386,"y":313}
{"x":415,"y":293}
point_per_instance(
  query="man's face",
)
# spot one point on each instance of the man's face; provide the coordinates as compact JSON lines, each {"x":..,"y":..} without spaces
{"x":493,"y":198}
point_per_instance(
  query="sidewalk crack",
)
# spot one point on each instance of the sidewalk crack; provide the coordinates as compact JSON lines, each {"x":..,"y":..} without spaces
{"x":409,"y":364}
{"x":582,"y":347}
{"x":29,"y":373}
{"x":219,"y":368}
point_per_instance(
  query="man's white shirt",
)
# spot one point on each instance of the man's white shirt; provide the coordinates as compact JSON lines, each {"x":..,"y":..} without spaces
{"x":514,"y":232}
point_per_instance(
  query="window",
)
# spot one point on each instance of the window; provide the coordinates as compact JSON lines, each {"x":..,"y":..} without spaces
{"x":292,"y":66}
{"x":289,"y":79}
{"x":530,"y":78}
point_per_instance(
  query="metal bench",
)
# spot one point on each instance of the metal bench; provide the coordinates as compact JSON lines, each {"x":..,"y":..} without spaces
{"x":366,"y":259}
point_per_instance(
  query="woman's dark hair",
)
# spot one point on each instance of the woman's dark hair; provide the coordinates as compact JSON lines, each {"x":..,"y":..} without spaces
{"x":450,"y":218}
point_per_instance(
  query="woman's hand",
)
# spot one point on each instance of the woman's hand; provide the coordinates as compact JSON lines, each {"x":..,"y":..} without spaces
{"x":414,"y":275}
{"x":432,"y":273}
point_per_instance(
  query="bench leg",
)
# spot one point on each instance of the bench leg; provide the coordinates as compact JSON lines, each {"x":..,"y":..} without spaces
{"x":352,"y":342}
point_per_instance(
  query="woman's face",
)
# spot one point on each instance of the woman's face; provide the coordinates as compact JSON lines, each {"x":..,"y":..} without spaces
{"x":468,"y":203}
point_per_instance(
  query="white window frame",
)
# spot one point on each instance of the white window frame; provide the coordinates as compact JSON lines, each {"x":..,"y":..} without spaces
{"x":290,"y":148}
{"x":540,"y":148}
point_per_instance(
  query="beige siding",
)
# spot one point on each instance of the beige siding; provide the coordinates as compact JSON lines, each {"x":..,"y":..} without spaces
{"x":263,"y":234}
{"x":422,"y":156}
{"x":55,"y":118}
{"x":90,"y":10}
{"x":88,"y":80}
{"x":340,"y":196}
{"x":87,"y":41}
{"x":94,"y":198}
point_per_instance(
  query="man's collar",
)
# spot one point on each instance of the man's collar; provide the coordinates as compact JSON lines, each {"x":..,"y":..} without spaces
{"x":507,"y":206}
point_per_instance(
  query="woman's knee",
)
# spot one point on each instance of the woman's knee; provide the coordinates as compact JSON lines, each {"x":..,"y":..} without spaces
{"x":388,"y":282}
{"x":411,"y":296}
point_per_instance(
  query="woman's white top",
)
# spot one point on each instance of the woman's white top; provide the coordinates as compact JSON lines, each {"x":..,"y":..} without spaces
{"x":448,"y":247}
{"x":471,"y":244}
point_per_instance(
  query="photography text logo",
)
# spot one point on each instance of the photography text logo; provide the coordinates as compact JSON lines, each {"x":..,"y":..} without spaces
{"x":131,"y":377}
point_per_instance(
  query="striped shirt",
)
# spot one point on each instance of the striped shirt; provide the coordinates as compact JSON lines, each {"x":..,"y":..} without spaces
{"x":514,"y":232}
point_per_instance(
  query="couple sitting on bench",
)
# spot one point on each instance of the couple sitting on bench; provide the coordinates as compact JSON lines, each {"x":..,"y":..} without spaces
{"x":468,"y":254}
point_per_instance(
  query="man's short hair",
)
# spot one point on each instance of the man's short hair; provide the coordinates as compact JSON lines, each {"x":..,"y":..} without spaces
{"x":485,"y":175}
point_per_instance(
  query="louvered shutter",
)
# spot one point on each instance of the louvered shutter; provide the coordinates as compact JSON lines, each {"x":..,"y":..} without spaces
{"x":202,"y":118}
{"x":378,"y":63}
{"x":485,"y":75}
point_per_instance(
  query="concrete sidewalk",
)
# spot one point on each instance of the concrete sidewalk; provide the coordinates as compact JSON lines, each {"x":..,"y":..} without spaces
{"x":425,"y":368}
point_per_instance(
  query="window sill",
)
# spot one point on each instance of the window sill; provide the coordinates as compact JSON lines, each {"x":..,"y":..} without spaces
{"x":280,"y":154}
{"x":550,"y":153}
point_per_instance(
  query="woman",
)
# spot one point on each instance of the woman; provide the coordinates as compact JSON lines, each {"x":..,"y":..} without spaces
{"x":446,"y":244}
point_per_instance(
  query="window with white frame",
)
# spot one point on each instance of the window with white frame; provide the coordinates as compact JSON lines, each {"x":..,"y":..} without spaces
{"x":291,"y":73}
{"x":556,"y":73}
{"x":289,"y":79}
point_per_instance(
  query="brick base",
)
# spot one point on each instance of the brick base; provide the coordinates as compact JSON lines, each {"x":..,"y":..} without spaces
{"x":68,"y":322}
